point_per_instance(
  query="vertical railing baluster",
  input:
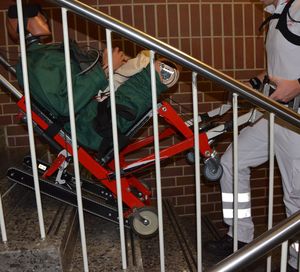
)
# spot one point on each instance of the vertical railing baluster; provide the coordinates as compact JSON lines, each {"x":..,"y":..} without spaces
{"x":284,"y":254}
{"x":298,"y":266}
{"x":116,"y":147}
{"x":74,"y":137}
{"x":2,"y":222}
{"x":197,"y":170}
{"x":29,"y":119}
{"x":157,"y":162}
{"x":235,"y":170}
{"x":271,"y":180}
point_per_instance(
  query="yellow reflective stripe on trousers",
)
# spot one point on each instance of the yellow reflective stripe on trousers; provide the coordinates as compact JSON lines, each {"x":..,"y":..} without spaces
{"x":242,"y":197}
{"x":242,"y":213}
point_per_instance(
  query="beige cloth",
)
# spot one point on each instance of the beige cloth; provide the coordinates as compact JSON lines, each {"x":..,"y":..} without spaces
{"x":128,"y":69}
{"x":131,"y":67}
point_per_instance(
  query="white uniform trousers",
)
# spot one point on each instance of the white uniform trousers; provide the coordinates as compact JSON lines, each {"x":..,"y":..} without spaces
{"x":253,"y":150}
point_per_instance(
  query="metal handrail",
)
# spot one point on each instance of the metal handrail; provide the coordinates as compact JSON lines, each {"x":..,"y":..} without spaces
{"x":261,"y":245}
{"x":5,"y":82}
{"x":8,"y":66}
{"x":180,"y":57}
{"x":9,"y":86}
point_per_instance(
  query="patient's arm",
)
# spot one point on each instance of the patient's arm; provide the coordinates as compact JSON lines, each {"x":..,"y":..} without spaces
{"x":119,"y":58}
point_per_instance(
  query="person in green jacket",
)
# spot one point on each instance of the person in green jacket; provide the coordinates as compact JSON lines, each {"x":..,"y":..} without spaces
{"x":48,"y":84}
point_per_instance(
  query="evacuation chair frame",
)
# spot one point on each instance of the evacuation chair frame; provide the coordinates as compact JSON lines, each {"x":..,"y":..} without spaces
{"x":136,"y":195}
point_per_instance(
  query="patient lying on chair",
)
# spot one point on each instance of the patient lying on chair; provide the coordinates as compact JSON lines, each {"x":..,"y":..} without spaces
{"x":48,"y":85}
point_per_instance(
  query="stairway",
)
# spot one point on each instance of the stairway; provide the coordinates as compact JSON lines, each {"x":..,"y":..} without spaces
{"x":209,"y":233}
{"x":103,"y":247}
{"x":104,"y":253}
{"x":24,"y":250}
{"x":179,"y":241}
{"x":11,"y":193}
{"x":61,"y":250}
{"x":181,"y":245}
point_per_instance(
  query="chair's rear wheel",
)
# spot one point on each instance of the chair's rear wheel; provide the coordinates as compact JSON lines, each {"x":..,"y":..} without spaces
{"x":144,"y":222}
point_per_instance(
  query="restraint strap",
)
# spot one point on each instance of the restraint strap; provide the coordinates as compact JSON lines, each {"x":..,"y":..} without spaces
{"x":103,"y":125}
{"x":283,"y":28}
{"x":54,"y":128}
{"x":268,"y":19}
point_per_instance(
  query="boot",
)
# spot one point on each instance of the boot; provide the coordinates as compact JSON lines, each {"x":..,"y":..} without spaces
{"x":291,"y":269}
{"x":223,"y":247}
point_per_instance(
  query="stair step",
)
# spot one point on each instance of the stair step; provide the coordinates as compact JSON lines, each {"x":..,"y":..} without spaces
{"x":211,"y":233}
{"x":25,"y":251}
{"x":10,"y":157}
{"x":11,"y":194}
{"x":178,"y":254}
{"x":14,"y":156}
{"x":103,"y":247}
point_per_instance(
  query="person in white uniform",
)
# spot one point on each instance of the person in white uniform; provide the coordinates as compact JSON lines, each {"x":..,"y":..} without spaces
{"x":283,"y":68}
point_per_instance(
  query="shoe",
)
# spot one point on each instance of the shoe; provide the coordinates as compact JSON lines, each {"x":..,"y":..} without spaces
{"x":291,"y":269}
{"x":223,"y":247}
{"x":169,"y":72}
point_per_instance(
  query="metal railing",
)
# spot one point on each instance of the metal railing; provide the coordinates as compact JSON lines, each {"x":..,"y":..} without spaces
{"x":261,"y":246}
{"x":180,"y":57}
{"x":268,"y":240}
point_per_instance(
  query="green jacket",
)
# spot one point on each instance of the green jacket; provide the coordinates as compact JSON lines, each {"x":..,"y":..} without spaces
{"x":48,"y":86}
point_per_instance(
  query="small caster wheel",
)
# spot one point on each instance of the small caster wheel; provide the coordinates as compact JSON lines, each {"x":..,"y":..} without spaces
{"x":212,"y":170}
{"x":190,"y":157}
{"x":144,"y":222}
